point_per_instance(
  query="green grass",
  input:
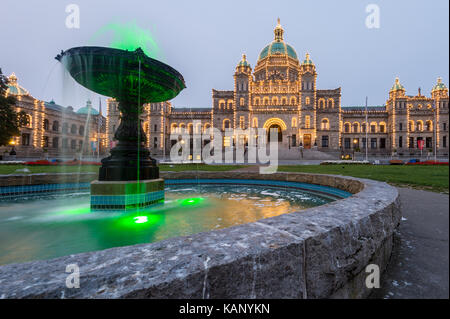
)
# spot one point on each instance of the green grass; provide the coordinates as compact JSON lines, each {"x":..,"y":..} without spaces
{"x":200,"y":167}
{"x":432,"y":178}
{"x":10,"y":169}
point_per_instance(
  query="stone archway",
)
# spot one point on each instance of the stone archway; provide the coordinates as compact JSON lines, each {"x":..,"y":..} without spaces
{"x":275,"y":123}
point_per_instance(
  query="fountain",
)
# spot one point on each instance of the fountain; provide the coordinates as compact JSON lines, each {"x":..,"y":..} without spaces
{"x":129,"y":177}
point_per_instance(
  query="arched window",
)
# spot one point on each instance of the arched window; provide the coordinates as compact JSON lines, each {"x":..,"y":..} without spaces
{"x":256,"y":101}
{"x":355,"y":127}
{"x":382,"y":127}
{"x":73,"y":129}
{"x":241,"y":101}
{"x":429,"y":125}
{"x":190,"y":128}
{"x":173,"y":128}
{"x":307,"y":121}
{"x":322,"y":103}
{"x":226,"y":124}
{"x":266,"y":101}
{"x":373,"y":127}
{"x":307,"y":100}
{"x":255,"y":122}
{"x":29,"y":121}
{"x":293,"y":100}
{"x":65,"y":128}
{"x":81,"y":130}
{"x":274,"y":100}
{"x":294,"y":122}
{"x":325,"y":125}
{"x":411,"y":126}
{"x":363,"y":127}
{"x":55,"y":126}
{"x":230,"y":104}
{"x":330,"y":103}
{"x":221,"y":104}
{"x":347,"y":127}
{"x":284,"y":100}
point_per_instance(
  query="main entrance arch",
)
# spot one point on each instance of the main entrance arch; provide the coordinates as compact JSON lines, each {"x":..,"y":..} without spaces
{"x":275,"y":123}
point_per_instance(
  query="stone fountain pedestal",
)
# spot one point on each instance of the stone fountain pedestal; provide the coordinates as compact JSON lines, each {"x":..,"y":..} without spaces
{"x":126,"y":195}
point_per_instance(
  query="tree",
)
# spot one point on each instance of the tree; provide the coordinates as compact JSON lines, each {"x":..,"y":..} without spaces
{"x":10,"y":120}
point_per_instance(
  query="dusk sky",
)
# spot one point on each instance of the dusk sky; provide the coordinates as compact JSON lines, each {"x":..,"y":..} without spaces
{"x":204,"y":41}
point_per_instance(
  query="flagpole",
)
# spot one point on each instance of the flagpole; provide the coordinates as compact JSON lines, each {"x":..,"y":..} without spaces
{"x":98,"y":127}
{"x":367,"y":140}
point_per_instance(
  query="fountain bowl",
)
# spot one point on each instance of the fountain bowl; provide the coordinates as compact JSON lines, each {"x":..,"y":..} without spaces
{"x":116,"y":73}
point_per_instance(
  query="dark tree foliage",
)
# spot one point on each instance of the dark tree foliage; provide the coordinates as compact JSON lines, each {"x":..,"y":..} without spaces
{"x":10,"y":120}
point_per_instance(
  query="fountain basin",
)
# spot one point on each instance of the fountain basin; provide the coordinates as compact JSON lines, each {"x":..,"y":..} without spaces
{"x":320,"y":252}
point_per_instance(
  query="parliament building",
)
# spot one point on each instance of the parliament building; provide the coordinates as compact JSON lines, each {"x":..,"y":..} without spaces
{"x":280,"y":92}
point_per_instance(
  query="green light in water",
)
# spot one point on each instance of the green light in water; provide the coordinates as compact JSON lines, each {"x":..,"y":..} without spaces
{"x":140,"y":219}
{"x":191,"y":201}
{"x":129,"y":36}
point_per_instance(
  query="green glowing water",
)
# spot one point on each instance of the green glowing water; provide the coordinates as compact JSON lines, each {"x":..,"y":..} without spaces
{"x":128,"y":36}
{"x":33,"y":229}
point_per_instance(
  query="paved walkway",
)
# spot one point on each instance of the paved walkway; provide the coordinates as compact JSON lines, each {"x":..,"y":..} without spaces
{"x":419,"y":265}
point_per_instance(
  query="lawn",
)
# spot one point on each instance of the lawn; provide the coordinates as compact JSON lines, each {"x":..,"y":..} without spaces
{"x":432,"y":178}
{"x":9,"y":169}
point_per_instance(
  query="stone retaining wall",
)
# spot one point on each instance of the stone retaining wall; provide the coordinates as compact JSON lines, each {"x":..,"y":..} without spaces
{"x":320,"y":252}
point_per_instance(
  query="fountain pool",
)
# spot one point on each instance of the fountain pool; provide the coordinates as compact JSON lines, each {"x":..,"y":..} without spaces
{"x":43,"y":227}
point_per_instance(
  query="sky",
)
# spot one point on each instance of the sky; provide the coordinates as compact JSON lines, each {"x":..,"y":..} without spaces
{"x":204,"y":41}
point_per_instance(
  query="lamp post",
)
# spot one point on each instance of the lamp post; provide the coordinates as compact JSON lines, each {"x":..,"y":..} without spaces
{"x":435,"y":131}
{"x":354,"y":147}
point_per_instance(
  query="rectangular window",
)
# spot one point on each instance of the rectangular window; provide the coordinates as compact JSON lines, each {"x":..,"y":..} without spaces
{"x":382,"y":128}
{"x":444,"y":141}
{"x":400,"y":142}
{"x":241,"y":122}
{"x":347,"y":143}
{"x":373,"y":143}
{"x":382,"y":143}
{"x":411,"y":142}
{"x":45,"y":141}
{"x":25,"y":139}
{"x":294,"y":140}
{"x":325,"y":141}
{"x":444,"y":126}
{"x":364,"y":143}
{"x":400,"y":127}
{"x":428,"y":142}
{"x":156,"y":127}
{"x":226,"y":141}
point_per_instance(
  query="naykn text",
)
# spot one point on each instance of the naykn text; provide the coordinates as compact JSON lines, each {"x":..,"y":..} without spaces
{"x":226,"y":308}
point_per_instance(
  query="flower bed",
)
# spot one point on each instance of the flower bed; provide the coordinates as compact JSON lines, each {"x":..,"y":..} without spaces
{"x":427,"y":163}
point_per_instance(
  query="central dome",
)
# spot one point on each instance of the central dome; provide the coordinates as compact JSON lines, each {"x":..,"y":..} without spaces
{"x":278,"y":46}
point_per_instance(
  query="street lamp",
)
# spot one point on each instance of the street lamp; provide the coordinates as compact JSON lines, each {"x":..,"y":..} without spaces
{"x":13,"y":151}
